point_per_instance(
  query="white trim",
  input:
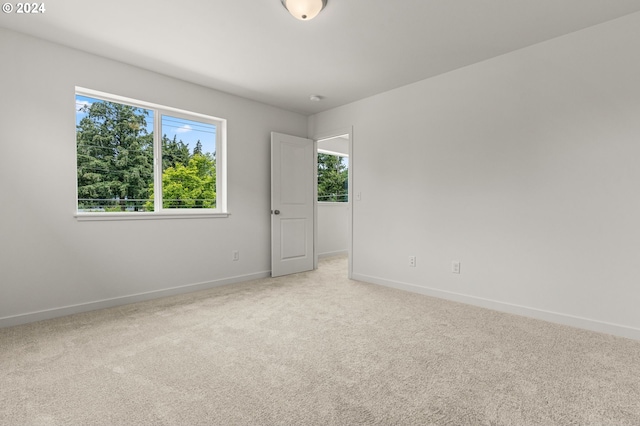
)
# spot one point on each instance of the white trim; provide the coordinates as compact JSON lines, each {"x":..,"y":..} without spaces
{"x":326,"y":151}
{"x":315,"y":204}
{"x":221,"y":167}
{"x":553,"y":317}
{"x":157,"y":164}
{"x":125,"y":300}
{"x":183,"y":214}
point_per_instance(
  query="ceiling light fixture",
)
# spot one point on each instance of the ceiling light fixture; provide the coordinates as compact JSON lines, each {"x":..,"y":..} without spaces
{"x":304,"y":10}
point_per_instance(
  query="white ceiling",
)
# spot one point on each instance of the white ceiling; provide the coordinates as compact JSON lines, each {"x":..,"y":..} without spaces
{"x":353,"y":49}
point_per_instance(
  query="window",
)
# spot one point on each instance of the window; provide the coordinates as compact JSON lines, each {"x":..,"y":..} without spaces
{"x":135,"y":158}
{"x":333,"y":177}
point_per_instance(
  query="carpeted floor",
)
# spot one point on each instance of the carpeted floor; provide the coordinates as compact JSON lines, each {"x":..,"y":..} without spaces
{"x":313,"y":349}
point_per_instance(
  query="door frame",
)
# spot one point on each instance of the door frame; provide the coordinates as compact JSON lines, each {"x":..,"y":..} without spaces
{"x":328,"y":135}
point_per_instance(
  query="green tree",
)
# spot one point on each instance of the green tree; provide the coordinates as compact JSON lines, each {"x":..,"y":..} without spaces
{"x":198,"y":148}
{"x":174,"y":152}
{"x":114,"y":155}
{"x":332,"y":178}
{"x":190,"y":186}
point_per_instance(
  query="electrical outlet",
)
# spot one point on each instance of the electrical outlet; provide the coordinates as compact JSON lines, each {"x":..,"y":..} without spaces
{"x":235,"y":255}
{"x":455,"y":266}
{"x":412,"y":261}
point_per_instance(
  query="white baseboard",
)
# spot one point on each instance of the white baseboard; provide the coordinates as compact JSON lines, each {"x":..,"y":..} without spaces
{"x":554,"y":317}
{"x":124,"y":300}
{"x":333,"y":253}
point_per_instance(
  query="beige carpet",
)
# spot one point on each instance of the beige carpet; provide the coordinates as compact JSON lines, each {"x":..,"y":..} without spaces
{"x":313,"y":349}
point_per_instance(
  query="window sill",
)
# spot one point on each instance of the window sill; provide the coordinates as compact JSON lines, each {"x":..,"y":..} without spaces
{"x":89,"y":217}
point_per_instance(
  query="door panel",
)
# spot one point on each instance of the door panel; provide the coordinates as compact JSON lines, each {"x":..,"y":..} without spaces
{"x":292,"y":204}
{"x":293,"y":238}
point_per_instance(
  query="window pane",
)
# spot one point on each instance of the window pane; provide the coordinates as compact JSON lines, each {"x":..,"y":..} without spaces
{"x":333,"y":178}
{"x":114,"y":147}
{"x":188,"y":164}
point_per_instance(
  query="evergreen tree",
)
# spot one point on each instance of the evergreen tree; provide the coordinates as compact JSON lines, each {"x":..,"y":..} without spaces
{"x":198,"y":148}
{"x":174,"y":152}
{"x":332,"y":178}
{"x":114,"y":154}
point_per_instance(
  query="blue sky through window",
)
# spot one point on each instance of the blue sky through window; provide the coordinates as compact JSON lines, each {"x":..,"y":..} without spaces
{"x":190,"y":132}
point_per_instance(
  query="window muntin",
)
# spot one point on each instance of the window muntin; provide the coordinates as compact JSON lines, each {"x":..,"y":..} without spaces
{"x":127,"y":149}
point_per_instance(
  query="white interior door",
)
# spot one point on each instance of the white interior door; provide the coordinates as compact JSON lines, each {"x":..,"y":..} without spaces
{"x":292,"y":204}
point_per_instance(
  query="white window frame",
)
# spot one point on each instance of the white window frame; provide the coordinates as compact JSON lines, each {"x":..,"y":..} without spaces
{"x":160,"y":212}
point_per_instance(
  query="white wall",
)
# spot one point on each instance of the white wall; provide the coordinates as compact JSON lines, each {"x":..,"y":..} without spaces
{"x":525,"y":167}
{"x":337,"y":145}
{"x":333,"y":224}
{"x":50,"y":262}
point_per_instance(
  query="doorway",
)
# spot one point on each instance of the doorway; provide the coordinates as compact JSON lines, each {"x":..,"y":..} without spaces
{"x":333,"y":197}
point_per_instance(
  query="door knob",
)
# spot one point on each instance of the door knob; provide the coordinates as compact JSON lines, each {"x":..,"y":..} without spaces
{"x":276,"y":212}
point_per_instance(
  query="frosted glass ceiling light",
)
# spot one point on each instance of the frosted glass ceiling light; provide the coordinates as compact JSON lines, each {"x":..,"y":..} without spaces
{"x":304,"y":10}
